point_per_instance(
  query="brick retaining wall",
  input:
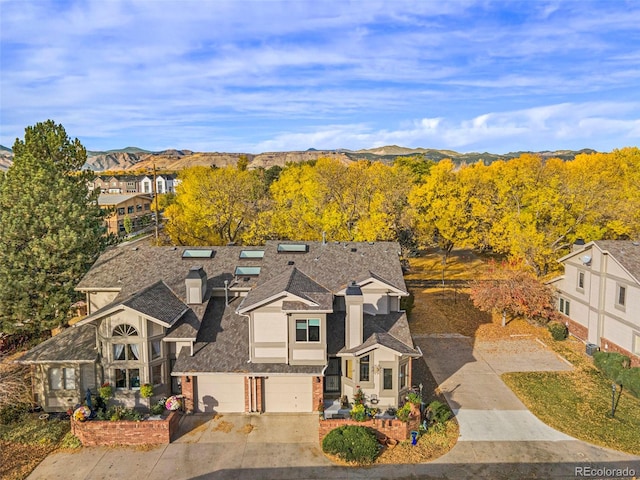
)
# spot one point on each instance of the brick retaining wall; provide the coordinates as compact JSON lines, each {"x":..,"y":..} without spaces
{"x":392,"y":428}
{"x":125,"y":432}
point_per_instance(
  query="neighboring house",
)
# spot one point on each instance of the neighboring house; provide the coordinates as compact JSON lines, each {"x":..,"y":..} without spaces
{"x":599,"y":295}
{"x":236,"y":329}
{"x":132,"y":205}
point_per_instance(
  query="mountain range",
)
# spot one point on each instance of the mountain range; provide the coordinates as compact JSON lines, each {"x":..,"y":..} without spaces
{"x":134,"y":158}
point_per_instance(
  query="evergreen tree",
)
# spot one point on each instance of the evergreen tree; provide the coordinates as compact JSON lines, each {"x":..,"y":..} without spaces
{"x":51,"y":229}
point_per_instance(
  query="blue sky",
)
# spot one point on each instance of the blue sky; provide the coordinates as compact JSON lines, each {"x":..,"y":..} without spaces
{"x":256,"y":76}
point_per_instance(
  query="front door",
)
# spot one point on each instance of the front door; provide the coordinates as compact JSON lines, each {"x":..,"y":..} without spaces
{"x":332,"y":377}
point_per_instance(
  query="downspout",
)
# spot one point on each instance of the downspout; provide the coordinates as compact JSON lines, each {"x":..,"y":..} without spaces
{"x":226,"y":293}
{"x":250,"y":334}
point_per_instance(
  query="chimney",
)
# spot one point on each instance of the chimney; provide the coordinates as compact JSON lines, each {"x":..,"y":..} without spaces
{"x":196,"y":284}
{"x":353,"y":323}
{"x":578,"y":245}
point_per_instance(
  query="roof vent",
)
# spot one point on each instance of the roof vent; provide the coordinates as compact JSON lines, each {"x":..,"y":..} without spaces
{"x":291,"y":262}
{"x":134,"y":249}
{"x":354,"y":249}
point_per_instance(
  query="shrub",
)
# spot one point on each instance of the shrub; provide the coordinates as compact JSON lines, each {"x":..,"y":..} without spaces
{"x":358,"y":397}
{"x":558,"y":330}
{"x":157,"y":409}
{"x":611,"y":364}
{"x":403,"y":412}
{"x":414,"y":398}
{"x":359,"y":413}
{"x":352,"y":443}
{"x":13,"y":413}
{"x":438,"y":412}
{"x":146,"y":390}
{"x":106,"y":391}
{"x":630,"y":380}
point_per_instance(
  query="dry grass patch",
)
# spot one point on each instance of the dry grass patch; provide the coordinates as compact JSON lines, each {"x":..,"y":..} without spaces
{"x":431,"y":445}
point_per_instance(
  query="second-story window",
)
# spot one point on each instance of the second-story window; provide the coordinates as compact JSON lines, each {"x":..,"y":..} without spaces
{"x":365,"y":368}
{"x":621,"y":297}
{"x":580,"y":280}
{"x":308,"y":330}
{"x":121,"y":211}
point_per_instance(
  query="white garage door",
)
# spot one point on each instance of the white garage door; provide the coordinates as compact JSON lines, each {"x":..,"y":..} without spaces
{"x":220,"y":393}
{"x":288,"y":394}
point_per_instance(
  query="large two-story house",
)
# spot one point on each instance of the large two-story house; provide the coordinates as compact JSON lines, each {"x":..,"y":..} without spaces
{"x":599,"y":295}
{"x":236,"y":329}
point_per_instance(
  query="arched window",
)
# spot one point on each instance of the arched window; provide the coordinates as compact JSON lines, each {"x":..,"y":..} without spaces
{"x":124,"y":330}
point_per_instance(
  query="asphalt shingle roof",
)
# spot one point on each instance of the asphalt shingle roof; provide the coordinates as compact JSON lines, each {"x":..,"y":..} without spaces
{"x":626,"y":252}
{"x":223,"y":346}
{"x":75,"y":344}
{"x":159,"y":302}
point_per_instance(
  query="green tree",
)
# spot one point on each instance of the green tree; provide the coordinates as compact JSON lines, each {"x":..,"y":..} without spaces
{"x":128,"y":224}
{"x":51,"y":229}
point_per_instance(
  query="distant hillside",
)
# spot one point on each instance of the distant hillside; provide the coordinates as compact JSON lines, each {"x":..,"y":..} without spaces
{"x":134,"y":158}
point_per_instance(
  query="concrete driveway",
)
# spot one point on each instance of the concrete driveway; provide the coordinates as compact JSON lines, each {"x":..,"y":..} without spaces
{"x":499,"y":437}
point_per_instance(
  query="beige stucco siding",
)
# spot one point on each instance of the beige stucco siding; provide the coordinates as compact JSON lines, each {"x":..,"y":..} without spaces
{"x":97,"y":300}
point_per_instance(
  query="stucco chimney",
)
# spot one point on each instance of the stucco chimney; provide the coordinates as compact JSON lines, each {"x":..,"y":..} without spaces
{"x":354,"y":302}
{"x":196,"y":285}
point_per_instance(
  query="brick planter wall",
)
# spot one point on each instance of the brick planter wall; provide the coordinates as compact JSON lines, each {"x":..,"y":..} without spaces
{"x":635,"y":359}
{"x":124,"y":432}
{"x":392,"y":428}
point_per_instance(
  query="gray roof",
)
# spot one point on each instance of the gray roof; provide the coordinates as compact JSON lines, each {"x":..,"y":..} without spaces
{"x":75,"y":345}
{"x":334,"y":264}
{"x":626,"y":252}
{"x":383,"y":339}
{"x":394,"y":326}
{"x":105,"y":199}
{"x":159,"y":302}
{"x":186,"y":328}
{"x":292,"y":281}
{"x":222,"y":346}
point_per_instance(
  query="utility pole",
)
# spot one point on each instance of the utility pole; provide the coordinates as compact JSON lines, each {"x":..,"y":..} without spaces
{"x":155,"y":198}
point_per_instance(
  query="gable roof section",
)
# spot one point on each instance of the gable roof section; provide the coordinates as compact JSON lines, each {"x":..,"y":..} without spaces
{"x":293,"y":282}
{"x":75,"y":345}
{"x":625,"y":252}
{"x":382,"y":340}
{"x":159,"y":302}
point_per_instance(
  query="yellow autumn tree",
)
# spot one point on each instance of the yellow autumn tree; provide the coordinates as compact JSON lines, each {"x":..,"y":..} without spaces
{"x":214,"y":206}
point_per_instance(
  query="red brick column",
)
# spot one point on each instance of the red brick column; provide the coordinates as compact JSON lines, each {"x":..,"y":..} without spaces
{"x":318,"y":391}
{"x":260,"y":394}
{"x":247,"y":394}
{"x":187,"y":391}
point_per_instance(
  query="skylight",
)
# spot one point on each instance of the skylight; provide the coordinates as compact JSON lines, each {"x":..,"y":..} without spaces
{"x":243,"y":271}
{"x":293,"y":248}
{"x":252,"y":254}
{"x":192,"y":253}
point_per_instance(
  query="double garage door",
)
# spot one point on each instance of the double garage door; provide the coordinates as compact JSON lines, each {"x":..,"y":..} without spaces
{"x":225,"y":394}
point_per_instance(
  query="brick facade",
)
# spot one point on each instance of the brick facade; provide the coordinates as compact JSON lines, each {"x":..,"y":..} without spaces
{"x":575,"y":329}
{"x":251,"y":385}
{"x":609,"y":346}
{"x":318,"y":389}
{"x":393,"y":428}
{"x":186,"y":384}
{"x":124,"y":432}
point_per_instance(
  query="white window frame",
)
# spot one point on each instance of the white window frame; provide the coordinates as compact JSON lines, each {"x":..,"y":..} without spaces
{"x":621,"y":294}
{"x":404,"y":375}
{"x":564,"y":306}
{"x":307,"y":320}
{"x":580,"y":282}
{"x":128,"y":378}
{"x":362,"y":380}
{"x":65,"y":378}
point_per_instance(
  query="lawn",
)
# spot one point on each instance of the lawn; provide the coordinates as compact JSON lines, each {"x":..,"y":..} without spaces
{"x":578,"y":402}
